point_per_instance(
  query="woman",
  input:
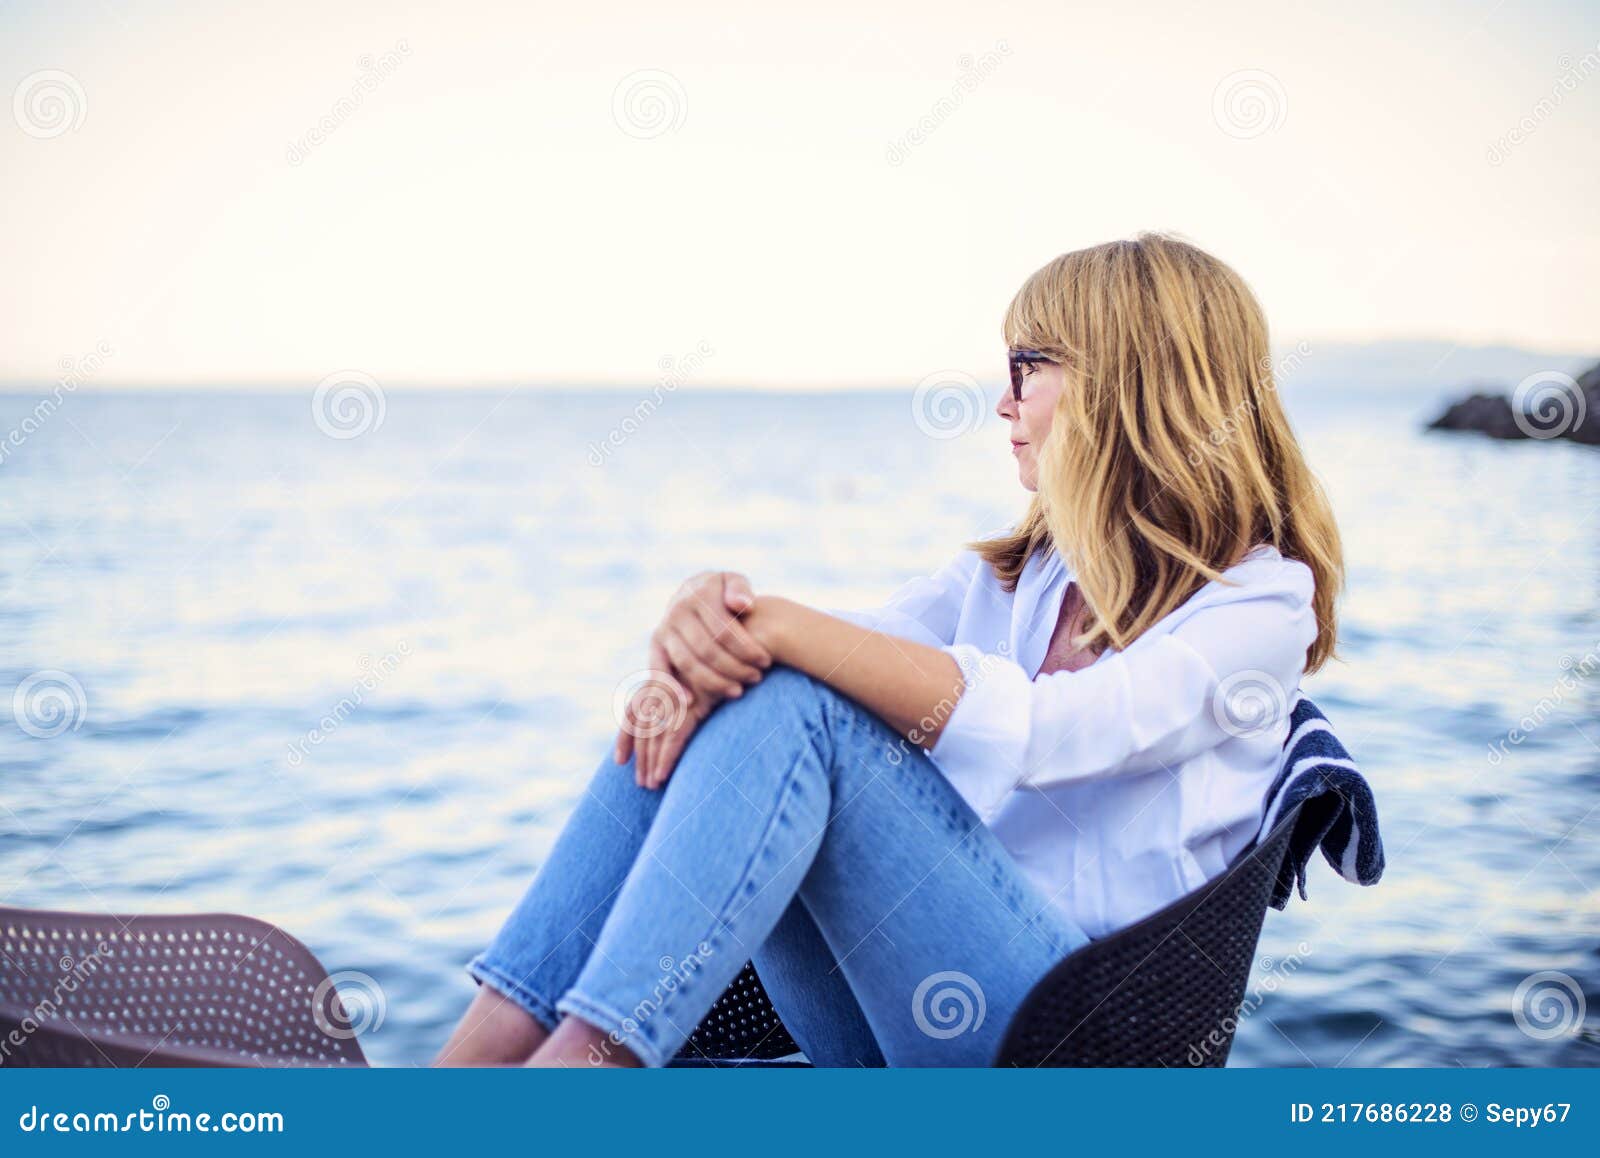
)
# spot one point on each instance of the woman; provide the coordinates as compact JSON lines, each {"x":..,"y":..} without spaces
{"x":905,"y":817}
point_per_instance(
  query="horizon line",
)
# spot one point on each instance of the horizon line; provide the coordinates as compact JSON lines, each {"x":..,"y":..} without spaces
{"x":95,"y":383}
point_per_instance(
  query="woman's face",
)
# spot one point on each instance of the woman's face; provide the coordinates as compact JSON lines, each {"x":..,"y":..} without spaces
{"x":1030,"y":419}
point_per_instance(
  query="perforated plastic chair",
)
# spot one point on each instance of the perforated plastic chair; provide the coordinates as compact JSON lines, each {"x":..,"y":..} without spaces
{"x":208,"y":990}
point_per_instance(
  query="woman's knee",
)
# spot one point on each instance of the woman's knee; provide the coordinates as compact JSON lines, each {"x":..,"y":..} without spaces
{"x":780,"y":729}
{"x":787,"y":682}
{"x":805,"y":694}
{"x":784,"y":695}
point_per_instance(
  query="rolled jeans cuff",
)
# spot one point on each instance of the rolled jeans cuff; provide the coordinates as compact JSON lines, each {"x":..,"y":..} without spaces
{"x":536,"y":1005}
{"x":623,"y":1030}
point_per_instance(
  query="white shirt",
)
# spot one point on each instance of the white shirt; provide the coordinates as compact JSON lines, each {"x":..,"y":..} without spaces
{"x":1122,"y":786}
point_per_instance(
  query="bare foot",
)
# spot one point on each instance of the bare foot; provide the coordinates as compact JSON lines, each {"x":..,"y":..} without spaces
{"x":494,"y":1031}
{"x":578,"y":1045}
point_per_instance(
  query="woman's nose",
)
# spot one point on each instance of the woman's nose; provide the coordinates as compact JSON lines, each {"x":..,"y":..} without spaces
{"x":1004,"y":407}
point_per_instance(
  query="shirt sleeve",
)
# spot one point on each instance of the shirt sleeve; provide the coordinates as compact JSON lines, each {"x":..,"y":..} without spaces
{"x":925,"y":609}
{"x":1230,"y":667}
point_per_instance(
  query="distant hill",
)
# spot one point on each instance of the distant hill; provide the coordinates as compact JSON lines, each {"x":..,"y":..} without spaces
{"x":1422,"y":366}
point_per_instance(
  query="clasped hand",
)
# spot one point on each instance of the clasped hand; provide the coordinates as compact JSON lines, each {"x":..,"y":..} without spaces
{"x":700,"y":655}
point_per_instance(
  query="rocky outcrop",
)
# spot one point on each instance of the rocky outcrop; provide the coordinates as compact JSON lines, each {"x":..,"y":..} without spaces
{"x":1485,"y":413}
{"x":1587,"y":431}
{"x":1543,"y":406}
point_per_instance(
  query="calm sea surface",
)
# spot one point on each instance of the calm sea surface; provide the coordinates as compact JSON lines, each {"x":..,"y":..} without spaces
{"x":216,"y":573}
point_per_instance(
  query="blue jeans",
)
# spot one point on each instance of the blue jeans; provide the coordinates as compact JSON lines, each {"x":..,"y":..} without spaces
{"x":888,"y":924}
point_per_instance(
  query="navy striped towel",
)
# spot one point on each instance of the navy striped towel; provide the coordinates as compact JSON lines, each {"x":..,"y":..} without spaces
{"x":1337,"y":811}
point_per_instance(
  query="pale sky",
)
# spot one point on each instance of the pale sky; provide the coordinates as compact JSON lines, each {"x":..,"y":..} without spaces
{"x":495,"y":208}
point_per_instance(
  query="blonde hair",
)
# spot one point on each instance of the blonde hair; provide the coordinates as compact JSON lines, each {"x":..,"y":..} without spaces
{"x":1169,"y":456}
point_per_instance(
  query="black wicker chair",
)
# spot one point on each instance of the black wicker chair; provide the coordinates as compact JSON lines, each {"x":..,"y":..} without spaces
{"x":1164,"y":991}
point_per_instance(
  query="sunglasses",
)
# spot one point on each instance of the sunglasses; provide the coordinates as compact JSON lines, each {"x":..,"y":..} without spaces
{"x":1018,"y":359}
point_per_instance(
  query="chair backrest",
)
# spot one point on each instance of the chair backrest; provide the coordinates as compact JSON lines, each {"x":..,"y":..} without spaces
{"x":741,"y":1026}
{"x":1165,"y":991}
{"x":211,"y":990}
